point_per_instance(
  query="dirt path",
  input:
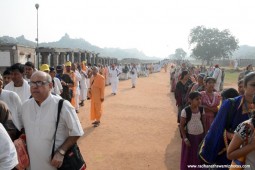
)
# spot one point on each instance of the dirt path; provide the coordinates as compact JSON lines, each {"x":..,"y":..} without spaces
{"x":138,"y":128}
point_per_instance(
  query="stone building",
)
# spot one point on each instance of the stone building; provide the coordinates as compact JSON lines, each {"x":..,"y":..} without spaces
{"x":13,"y":53}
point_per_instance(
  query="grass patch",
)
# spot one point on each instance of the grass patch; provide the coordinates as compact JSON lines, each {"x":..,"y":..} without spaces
{"x":231,"y":77}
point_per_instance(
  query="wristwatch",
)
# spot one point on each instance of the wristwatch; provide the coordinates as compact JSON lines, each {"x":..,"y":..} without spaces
{"x":61,"y":151}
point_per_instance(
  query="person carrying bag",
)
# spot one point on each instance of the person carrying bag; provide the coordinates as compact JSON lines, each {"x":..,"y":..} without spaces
{"x":73,"y":159}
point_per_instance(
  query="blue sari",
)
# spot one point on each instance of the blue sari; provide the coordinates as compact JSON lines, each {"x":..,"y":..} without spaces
{"x":213,"y":148}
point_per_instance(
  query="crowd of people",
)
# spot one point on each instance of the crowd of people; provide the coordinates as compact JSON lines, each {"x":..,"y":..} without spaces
{"x":214,"y":121}
{"x":29,"y":100}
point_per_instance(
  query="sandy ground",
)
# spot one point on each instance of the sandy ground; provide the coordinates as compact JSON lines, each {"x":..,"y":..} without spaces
{"x":138,"y":128}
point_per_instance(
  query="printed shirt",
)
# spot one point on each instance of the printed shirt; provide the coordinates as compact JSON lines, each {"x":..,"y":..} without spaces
{"x":244,"y":130}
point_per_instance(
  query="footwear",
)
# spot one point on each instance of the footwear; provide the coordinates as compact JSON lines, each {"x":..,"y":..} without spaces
{"x":96,"y":125}
{"x":96,"y":122}
{"x":81,"y":103}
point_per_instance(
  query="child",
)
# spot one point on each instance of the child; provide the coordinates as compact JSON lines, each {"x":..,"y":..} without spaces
{"x":192,"y":131}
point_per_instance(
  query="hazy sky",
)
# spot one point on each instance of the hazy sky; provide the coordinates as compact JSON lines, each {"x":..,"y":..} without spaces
{"x":156,"y":27}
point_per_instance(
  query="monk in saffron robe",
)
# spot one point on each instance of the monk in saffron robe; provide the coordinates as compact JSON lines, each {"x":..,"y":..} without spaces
{"x":97,"y":87}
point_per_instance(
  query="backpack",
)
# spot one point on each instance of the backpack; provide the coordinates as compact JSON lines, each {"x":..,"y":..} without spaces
{"x":188,"y":116}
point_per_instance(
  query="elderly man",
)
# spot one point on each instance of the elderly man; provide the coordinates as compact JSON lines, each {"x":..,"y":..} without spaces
{"x":39,"y":116}
{"x":97,"y":86}
{"x":18,"y":84}
{"x":57,"y":87}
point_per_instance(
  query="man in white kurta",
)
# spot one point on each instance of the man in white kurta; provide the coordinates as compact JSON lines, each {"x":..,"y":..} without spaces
{"x":18,"y":84}
{"x":133,"y":75}
{"x":39,"y":116}
{"x":83,"y":84}
{"x":114,"y":78}
{"x":217,"y":74}
{"x":78,"y":91}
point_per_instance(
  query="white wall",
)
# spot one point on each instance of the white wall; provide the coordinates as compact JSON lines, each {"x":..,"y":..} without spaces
{"x":5,"y":59}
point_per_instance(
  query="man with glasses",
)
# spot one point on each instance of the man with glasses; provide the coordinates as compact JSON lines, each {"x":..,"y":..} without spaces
{"x":39,"y":116}
{"x":57,"y":87}
{"x":18,"y":84}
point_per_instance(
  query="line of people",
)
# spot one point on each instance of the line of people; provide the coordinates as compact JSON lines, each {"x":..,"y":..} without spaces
{"x":213,"y":123}
{"x":30,"y":101}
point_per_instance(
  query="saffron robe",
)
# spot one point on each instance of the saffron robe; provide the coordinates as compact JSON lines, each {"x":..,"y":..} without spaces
{"x":97,"y":85}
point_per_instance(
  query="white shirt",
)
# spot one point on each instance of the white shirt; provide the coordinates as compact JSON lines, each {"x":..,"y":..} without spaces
{"x":57,"y":86}
{"x":8,"y":154}
{"x":14,"y":105}
{"x":134,"y":70}
{"x":113,"y":74}
{"x":194,"y":126}
{"x":78,"y":79}
{"x":40,"y":123}
{"x":217,"y":74}
{"x":83,"y":79}
{"x":23,"y":91}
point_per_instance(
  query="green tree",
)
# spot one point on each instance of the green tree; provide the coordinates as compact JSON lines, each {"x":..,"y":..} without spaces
{"x":180,"y":54}
{"x":208,"y":44}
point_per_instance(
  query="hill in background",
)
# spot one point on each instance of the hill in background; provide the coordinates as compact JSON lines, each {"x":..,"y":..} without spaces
{"x":67,"y":42}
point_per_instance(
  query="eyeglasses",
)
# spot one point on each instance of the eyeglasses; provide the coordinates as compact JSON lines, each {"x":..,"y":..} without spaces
{"x":38,"y":83}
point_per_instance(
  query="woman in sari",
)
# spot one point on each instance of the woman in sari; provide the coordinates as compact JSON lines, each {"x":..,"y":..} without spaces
{"x":210,"y":102}
{"x":232,"y":112}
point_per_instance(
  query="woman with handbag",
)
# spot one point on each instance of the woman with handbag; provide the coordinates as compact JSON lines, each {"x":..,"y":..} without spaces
{"x":242,"y":147}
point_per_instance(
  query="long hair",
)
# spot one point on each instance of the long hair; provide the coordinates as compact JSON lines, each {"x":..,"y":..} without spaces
{"x":184,"y":73}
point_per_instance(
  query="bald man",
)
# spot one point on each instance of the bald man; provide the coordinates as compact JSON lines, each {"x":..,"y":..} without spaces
{"x":97,"y":87}
{"x":39,"y":116}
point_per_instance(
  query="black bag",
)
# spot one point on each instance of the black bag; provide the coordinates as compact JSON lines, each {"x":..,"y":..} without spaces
{"x":188,"y":117}
{"x":73,"y":159}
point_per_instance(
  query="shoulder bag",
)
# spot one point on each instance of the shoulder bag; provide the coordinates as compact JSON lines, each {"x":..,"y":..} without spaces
{"x":73,"y":159}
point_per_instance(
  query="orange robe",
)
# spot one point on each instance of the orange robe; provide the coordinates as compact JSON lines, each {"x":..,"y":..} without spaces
{"x":97,"y":85}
